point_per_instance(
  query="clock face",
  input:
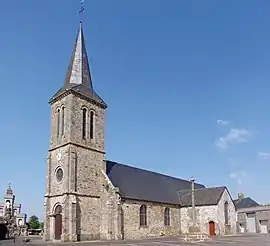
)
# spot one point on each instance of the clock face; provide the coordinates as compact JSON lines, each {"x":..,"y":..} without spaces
{"x":59,"y":156}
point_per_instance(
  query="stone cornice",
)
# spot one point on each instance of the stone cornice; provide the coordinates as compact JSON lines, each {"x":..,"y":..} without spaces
{"x":77,"y":145}
{"x":71,"y":193}
{"x":140,"y":201}
{"x":71,"y":91}
{"x":57,"y":98}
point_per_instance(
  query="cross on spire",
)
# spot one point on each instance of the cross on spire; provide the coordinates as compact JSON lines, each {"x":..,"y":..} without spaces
{"x":81,"y":11}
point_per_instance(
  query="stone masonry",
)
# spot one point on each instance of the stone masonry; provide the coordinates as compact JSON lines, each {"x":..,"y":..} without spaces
{"x":215,"y":213}
{"x":81,"y":161}
{"x":262,"y":217}
{"x":155,"y":220}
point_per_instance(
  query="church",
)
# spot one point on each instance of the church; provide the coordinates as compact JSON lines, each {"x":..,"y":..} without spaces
{"x":15,"y":208}
{"x":90,"y":198}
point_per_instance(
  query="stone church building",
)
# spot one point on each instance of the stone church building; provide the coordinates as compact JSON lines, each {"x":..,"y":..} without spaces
{"x":90,"y":198}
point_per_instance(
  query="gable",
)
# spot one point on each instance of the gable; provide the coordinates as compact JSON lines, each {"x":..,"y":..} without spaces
{"x":139,"y":184}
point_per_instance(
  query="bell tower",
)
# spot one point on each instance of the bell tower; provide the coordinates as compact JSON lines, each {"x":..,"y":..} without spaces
{"x":9,"y":200}
{"x":76,"y":154}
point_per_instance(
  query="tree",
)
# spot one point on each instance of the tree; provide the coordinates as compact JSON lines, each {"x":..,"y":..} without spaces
{"x":34,"y":222}
{"x":41,"y":225}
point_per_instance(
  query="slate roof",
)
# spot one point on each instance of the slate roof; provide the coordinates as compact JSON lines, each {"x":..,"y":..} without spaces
{"x":246,"y":202}
{"x":78,"y":77}
{"x":203,"y":196}
{"x":82,"y":90}
{"x":138,"y":184}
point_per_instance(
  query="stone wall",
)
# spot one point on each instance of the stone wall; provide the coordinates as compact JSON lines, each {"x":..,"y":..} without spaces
{"x":73,"y":106}
{"x":155,"y":220}
{"x":110,"y":210}
{"x":241,"y":222}
{"x":215,"y":213}
{"x":204,"y":214}
{"x":230,"y":228}
{"x":261,"y":216}
{"x":80,"y":190}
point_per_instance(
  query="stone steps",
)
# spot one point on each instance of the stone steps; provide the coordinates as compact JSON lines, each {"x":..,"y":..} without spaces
{"x":196,"y":237}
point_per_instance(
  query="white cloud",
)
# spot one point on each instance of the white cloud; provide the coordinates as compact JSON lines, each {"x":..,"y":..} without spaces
{"x":234,"y":136}
{"x":238,"y":176}
{"x":264,"y":155}
{"x":223,"y":122}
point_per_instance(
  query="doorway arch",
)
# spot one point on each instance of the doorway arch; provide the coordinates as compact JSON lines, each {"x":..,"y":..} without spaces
{"x":3,"y":231}
{"x":58,"y":222}
{"x":212,"y":229}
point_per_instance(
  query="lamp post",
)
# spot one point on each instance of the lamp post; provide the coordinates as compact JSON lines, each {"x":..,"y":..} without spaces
{"x":192,"y":180}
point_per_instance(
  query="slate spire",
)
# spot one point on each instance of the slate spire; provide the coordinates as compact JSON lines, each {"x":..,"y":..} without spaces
{"x":78,"y":77}
{"x":78,"y":70}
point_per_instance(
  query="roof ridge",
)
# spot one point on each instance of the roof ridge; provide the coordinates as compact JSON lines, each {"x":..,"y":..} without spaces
{"x":208,"y":188}
{"x":165,"y":175}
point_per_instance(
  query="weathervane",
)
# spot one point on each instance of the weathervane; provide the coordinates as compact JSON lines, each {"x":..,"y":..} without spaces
{"x":81,"y":11}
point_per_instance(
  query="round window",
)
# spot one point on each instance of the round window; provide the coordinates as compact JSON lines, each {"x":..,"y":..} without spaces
{"x":59,"y":174}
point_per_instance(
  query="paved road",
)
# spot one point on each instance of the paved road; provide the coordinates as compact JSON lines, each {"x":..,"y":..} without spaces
{"x":247,"y":240}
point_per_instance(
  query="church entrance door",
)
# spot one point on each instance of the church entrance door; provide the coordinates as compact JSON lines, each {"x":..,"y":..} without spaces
{"x":212,"y":228}
{"x":3,"y":231}
{"x":58,"y":222}
{"x":58,"y":227}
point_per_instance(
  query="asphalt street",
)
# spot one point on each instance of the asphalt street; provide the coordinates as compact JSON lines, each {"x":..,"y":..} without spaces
{"x":243,"y":240}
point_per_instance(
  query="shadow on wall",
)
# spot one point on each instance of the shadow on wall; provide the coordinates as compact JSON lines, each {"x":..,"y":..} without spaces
{"x":3,"y":231}
{"x":122,"y":224}
{"x":78,"y":219}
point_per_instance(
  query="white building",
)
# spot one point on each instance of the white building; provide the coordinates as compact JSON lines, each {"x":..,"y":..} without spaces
{"x":9,"y":203}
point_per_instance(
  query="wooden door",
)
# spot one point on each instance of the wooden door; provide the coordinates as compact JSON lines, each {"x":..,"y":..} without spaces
{"x":58,"y":227}
{"x":211,"y":228}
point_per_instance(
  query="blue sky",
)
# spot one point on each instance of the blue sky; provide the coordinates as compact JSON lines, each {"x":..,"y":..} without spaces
{"x":187,"y":84}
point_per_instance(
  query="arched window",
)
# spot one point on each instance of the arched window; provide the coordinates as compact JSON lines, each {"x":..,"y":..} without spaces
{"x":226,"y":213}
{"x":166,"y":216}
{"x":58,"y":123}
{"x":63,"y":121}
{"x":84,"y":111}
{"x":143,"y":215}
{"x":8,"y":204}
{"x":58,"y":209}
{"x":92,"y":115}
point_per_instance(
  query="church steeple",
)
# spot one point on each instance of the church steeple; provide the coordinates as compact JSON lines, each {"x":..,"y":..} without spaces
{"x":76,"y":154}
{"x":78,"y":77}
{"x":78,"y":70}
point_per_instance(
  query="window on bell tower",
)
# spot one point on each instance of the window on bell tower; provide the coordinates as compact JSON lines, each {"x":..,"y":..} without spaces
{"x":58,"y":123}
{"x":63,"y":121}
{"x":92,"y":116}
{"x":84,"y":111}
